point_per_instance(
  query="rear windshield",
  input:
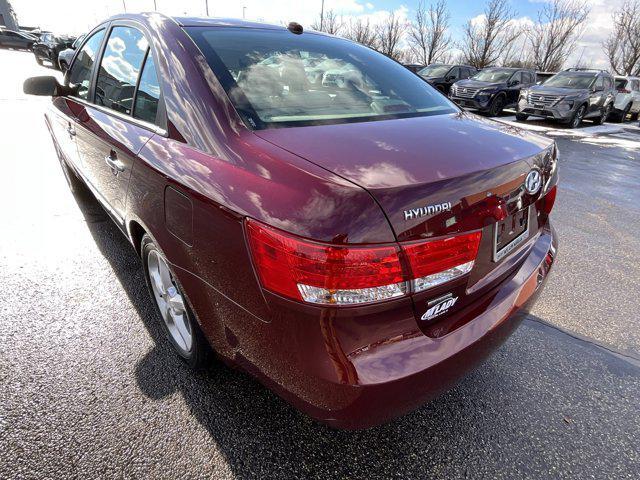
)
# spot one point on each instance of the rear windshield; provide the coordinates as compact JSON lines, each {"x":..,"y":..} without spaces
{"x":568,"y":80}
{"x":278,"y":79}
{"x":493,"y":76}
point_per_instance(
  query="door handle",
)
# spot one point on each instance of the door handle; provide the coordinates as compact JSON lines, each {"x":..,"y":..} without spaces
{"x":70,"y":130}
{"x":115,"y":165}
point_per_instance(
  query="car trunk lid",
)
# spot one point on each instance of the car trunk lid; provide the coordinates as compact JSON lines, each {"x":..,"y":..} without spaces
{"x":437,"y":176}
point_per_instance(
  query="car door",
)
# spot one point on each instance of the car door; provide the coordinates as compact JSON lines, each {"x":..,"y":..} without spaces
{"x":597,"y":98}
{"x":68,"y":109}
{"x":452,"y":77}
{"x":513,"y":88}
{"x":108,"y":137}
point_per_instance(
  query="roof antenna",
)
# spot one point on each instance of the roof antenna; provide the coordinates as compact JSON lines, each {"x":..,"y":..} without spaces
{"x":295,"y":27}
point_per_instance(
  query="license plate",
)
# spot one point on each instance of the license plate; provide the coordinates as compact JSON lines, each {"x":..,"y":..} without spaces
{"x":509,"y":233}
{"x":538,"y":112}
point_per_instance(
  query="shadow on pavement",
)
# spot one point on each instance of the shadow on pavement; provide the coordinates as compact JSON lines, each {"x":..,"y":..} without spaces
{"x":527,"y":411}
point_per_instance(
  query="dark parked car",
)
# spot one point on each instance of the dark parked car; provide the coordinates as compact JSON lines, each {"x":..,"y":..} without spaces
{"x":492,"y":89}
{"x":414,"y":67}
{"x":443,"y":76}
{"x":355,"y":246}
{"x":570,"y":96}
{"x":49,"y":46}
{"x":16,"y":40}
{"x":65,"y":56}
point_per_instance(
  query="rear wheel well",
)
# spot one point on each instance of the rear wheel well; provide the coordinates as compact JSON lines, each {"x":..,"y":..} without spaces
{"x":136,"y":232}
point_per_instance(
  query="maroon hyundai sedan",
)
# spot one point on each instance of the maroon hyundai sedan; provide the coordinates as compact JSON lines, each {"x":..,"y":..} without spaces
{"x":307,"y":208}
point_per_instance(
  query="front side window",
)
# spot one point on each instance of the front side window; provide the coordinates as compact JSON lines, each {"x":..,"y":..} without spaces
{"x":454,"y":73}
{"x":493,"y":75}
{"x":276,"y":78}
{"x":80,"y":74}
{"x":148,"y":94}
{"x":517,"y":77}
{"x":119,"y":69}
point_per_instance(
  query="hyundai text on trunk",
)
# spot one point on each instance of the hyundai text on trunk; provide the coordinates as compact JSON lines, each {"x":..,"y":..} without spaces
{"x":307,"y":208}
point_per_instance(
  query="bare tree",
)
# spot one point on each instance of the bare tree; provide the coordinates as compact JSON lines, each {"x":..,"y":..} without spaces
{"x":429,"y":40}
{"x":623,"y":45}
{"x":389,"y":35}
{"x":331,"y":23}
{"x":553,"y":36}
{"x":486,"y":41}
{"x":362,"y":32}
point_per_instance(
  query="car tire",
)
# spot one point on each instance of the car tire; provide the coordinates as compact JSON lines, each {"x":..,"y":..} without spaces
{"x":576,"y":120}
{"x":521,"y":117}
{"x":177,"y":319}
{"x":38,"y":61}
{"x":497,"y":104}
{"x":602,"y":118}
{"x":622,"y":116}
{"x":63,"y":66}
{"x":634,"y":116}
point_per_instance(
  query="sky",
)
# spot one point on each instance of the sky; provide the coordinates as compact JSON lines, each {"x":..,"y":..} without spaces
{"x":77,"y":16}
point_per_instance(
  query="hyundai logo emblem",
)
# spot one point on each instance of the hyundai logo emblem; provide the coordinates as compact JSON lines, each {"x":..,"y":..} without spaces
{"x":533,"y":182}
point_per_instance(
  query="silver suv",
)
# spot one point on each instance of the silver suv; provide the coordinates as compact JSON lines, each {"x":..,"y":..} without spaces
{"x":570,"y":97}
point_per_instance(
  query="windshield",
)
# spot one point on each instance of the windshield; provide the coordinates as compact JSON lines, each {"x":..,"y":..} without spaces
{"x":276,"y":78}
{"x":567,"y":80}
{"x":493,"y":76}
{"x":434,"y":71}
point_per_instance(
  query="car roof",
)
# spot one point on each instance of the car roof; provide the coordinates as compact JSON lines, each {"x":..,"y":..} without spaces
{"x":223,"y":22}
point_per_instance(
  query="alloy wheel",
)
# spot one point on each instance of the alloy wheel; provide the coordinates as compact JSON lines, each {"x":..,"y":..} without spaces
{"x":170,"y":301}
{"x":577,"y":119}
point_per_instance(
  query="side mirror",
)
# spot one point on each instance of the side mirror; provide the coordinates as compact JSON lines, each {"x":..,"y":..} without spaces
{"x":46,"y":86}
{"x":598,"y":89}
{"x":449,"y":78}
{"x":512,"y":83}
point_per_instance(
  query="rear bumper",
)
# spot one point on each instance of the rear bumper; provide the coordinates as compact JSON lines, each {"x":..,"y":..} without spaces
{"x":311,"y":361}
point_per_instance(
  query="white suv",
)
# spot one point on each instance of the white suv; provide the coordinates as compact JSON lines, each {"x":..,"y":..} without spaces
{"x":627,"y":98}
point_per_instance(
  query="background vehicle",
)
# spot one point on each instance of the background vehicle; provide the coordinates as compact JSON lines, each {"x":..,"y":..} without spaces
{"x":414,"y":67}
{"x":443,"y":76}
{"x":65,"y":56}
{"x":48,"y":48}
{"x":627,"y":100}
{"x":492,"y":89}
{"x":16,"y":40}
{"x":542,"y":77}
{"x":350,"y":237}
{"x":569,"y":97}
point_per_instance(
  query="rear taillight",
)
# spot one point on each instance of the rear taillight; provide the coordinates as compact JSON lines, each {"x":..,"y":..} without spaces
{"x":438,"y":261}
{"x":623,"y":90}
{"x":321,"y":273}
{"x":549,"y":200}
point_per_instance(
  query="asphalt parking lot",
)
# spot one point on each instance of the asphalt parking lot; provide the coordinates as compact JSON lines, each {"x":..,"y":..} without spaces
{"x":89,"y":388}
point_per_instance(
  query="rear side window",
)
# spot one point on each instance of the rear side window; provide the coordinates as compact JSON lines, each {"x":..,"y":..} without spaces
{"x":119,"y":69}
{"x":148,"y":95}
{"x":80,"y":75}
{"x":608,"y":83}
{"x":635,"y":85}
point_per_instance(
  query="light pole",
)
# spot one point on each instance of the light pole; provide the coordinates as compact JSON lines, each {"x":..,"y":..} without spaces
{"x":124,"y":5}
{"x":322,"y":15}
{"x":244,"y":9}
{"x":206,"y":4}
